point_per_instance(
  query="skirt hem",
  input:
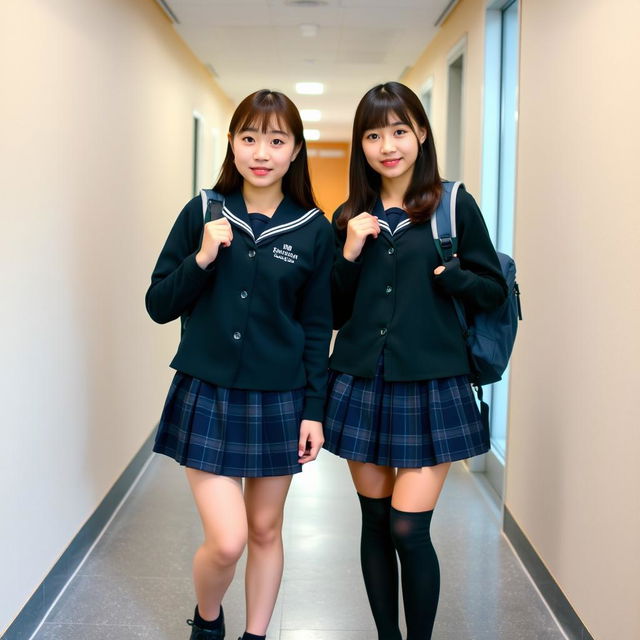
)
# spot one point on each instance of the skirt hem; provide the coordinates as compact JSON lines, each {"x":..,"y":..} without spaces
{"x":231,"y":472}
{"x":402,"y":464}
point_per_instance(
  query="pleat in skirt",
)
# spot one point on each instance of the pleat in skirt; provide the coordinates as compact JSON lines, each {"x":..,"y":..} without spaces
{"x":403,"y":424}
{"x":231,"y":432}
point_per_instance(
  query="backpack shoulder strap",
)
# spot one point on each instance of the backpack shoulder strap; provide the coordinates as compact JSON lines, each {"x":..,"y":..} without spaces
{"x":212,"y":203}
{"x":443,"y":228}
{"x":443,"y":221}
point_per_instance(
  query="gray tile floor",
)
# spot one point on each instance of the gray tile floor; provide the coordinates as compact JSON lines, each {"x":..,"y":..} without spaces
{"x":136,"y":583}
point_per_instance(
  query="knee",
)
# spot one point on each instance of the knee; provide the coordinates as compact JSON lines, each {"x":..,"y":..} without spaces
{"x":375,"y":513}
{"x":410,"y":530}
{"x":225,"y":552}
{"x":265,"y":533}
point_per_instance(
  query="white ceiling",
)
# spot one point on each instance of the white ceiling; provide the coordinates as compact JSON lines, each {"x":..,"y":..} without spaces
{"x":255,"y":44}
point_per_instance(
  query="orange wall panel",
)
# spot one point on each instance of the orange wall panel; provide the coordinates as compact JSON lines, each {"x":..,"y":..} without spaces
{"x":329,"y":168}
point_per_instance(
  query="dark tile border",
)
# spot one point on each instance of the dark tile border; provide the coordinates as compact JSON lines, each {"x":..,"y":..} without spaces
{"x":551,"y":592}
{"x":32,"y":613}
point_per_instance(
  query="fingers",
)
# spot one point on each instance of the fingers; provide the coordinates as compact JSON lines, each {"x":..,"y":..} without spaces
{"x":302,"y":443}
{"x":219,"y":231}
{"x":364,"y":224}
{"x":310,"y":442}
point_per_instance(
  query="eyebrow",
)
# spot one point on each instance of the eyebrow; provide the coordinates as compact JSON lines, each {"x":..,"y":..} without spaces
{"x":390,"y":124}
{"x":255,"y":130}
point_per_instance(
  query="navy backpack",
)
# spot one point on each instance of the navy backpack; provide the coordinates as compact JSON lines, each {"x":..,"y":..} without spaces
{"x":490,"y":335}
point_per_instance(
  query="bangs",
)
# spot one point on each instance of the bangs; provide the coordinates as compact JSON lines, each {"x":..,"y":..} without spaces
{"x":379,"y":112}
{"x":265,"y":109}
{"x":261,"y":119}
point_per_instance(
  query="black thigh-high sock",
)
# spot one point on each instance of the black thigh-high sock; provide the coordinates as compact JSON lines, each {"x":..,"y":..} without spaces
{"x":380,"y":566}
{"x":420,"y":571}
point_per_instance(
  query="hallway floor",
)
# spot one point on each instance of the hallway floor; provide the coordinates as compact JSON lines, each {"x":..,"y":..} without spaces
{"x":136,"y":583}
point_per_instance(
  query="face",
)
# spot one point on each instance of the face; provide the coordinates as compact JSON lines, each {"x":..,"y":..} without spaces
{"x":263,"y":158}
{"x":391,"y":151}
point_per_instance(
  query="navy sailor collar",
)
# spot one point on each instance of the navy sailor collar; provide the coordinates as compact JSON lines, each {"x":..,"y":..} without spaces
{"x":379,"y":212}
{"x":288,"y":216}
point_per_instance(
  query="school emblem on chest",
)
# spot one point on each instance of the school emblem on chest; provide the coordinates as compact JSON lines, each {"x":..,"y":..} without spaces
{"x":286,"y":253}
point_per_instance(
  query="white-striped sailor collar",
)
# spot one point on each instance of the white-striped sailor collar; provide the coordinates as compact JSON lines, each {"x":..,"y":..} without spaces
{"x":288,"y":216}
{"x":403,"y":225}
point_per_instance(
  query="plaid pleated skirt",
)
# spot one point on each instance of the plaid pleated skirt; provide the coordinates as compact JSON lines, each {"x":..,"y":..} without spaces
{"x":231,"y":432}
{"x":402,"y":424}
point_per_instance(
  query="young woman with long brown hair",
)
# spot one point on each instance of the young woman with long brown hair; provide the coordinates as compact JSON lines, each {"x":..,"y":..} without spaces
{"x":247,"y":398}
{"x":400,"y":406}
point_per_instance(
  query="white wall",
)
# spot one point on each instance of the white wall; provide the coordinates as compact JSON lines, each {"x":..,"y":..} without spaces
{"x":96,"y":148}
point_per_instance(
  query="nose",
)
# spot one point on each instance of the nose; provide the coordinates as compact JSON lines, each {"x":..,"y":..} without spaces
{"x":388,"y":144}
{"x":261,"y":150}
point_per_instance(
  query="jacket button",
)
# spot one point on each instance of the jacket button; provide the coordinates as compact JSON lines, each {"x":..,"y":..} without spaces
{"x":252,"y":253}
{"x":237,"y":335}
{"x":391,"y":250}
{"x":243,"y":294}
{"x":388,"y":289}
{"x":383,"y":331}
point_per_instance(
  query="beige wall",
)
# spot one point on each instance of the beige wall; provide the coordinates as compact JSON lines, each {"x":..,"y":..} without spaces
{"x":96,"y":147}
{"x":465,"y":22}
{"x":573,"y":478}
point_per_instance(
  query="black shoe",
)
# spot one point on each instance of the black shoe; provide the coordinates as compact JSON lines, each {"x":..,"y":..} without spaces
{"x":198,"y":633}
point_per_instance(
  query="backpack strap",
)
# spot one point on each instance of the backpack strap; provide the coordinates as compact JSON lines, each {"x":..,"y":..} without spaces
{"x":212,"y":203}
{"x":443,"y":228}
{"x":443,"y":221}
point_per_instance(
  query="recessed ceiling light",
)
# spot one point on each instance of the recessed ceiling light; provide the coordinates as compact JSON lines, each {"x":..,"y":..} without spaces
{"x":311,"y":115}
{"x":312,"y":134}
{"x":310,"y":88}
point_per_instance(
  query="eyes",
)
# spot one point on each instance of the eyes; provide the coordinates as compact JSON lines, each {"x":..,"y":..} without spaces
{"x":276,"y":142}
{"x":398,"y":132}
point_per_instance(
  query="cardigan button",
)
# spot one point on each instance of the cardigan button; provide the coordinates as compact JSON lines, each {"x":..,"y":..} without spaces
{"x":383,"y":331}
{"x":391,"y":250}
{"x":252,"y":253}
{"x":388,"y":289}
{"x":243,"y":294}
{"x":237,"y":335}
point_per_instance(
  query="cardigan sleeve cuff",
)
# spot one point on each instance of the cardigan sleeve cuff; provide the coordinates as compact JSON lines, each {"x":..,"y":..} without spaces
{"x":313,"y":409}
{"x":347,"y":272}
{"x":195,"y":270}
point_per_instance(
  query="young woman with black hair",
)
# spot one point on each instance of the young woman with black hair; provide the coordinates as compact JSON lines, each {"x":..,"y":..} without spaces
{"x":400,"y":406}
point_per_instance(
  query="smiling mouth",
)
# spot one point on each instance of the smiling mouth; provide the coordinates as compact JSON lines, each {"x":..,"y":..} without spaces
{"x":260,"y":171}
{"x":391,"y":162}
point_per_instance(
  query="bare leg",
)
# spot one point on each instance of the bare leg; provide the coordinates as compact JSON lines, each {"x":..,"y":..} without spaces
{"x":419,"y":489}
{"x":264,"y":500}
{"x":221,"y":506}
{"x":372,"y":480}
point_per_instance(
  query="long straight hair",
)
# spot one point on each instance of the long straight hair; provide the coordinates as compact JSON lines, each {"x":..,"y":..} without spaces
{"x":375,"y":110}
{"x":258,"y":110}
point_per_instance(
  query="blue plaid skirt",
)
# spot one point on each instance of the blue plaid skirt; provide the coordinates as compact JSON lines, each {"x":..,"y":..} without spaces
{"x":402,"y":424}
{"x":231,"y":432}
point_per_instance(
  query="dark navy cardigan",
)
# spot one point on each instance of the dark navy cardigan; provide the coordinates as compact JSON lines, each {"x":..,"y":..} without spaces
{"x":390,"y":302}
{"x":260,"y":315}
